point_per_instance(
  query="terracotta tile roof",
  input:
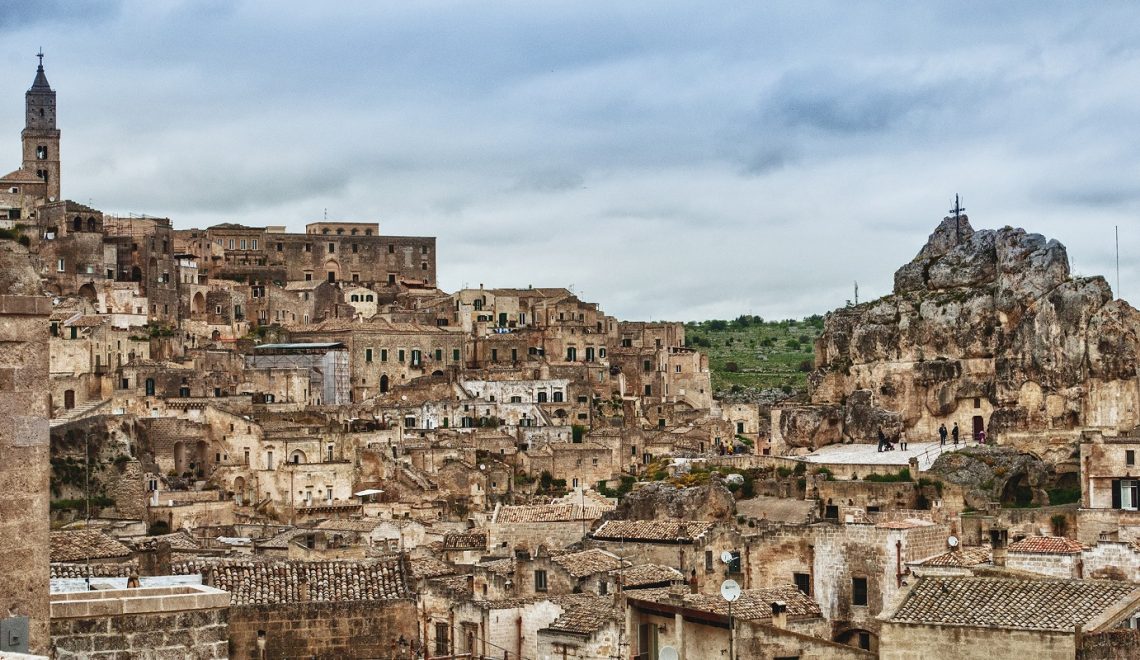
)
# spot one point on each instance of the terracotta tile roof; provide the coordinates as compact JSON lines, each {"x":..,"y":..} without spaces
{"x":499,"y":566}
{"x":536,"y":513}
{"x":453,"y":585}
{"x":961,"y":558}
{"x":428,"y":567}
{"x":753,"y":604}
{"x":1010,"y":603}
{"x":85,"y":544}
{"x":97,"y":570}
{"x":465,"y":541}
{"x":270,"y":582}
{"x":587,"y":562}
{"x":1046,"y":545}
{"x":665,"y":531}
{"x":180,"y":540}
{"x":21,"y":175}
{"x":586,"y":618}
{"x":647,"y":574}
{"x":561,"y":600}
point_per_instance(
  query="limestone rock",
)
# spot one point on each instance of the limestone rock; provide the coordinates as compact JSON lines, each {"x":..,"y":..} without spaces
{"x":661,"y":501}
{"x":985,"y":328}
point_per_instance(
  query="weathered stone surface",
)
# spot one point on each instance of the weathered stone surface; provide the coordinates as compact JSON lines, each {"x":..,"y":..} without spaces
{"x":659,"y":501}
{"x":983,"y":328}
{"x":996,"y":474}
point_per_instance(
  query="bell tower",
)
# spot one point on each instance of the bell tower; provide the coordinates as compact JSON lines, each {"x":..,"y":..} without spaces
{"x":40,"y":136}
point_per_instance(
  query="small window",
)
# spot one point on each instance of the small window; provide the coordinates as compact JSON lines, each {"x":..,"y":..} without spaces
{"x":280,"y":247}
{"x":540,"y":580}
{"x":1130,"y":457}
{"x":708,"y":561}
{"x":368,"y":355}
{"x":603,"y":588}
{"x":803,"y":582}
{"x":332,"y":248}
{"x":383,"y":355}
{"x":391,"y":249}
{"x":455,"y":354}
{"x":308,"y":247}
{"x":734,"y":563}
{"x":859,"y":591}
{"x":355,"y":247}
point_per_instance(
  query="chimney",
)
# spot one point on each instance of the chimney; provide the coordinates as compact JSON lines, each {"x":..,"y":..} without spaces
{"x":693,"y":582}
{"x":999,"y":539}
{"x":780,"y":614}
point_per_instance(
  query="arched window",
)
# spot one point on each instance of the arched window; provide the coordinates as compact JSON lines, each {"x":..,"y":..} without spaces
{"x":542,"y":397}
{"x":558,"y":397}
{"x":91,"y":224}
{"x":77,"y":224}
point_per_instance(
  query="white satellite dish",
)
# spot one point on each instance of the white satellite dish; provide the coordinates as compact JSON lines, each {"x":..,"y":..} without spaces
{"x":482,"y":466}
{"x":952,"y":541}
{"x":668,"y":653}
{"x":730,"y":590}
{"x":726,"y":557}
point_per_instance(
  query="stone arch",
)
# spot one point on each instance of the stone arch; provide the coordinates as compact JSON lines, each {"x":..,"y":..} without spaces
{"x":136,"y":274}
{"x":198,"y":304}
{"x":92,"y":225}
{"x":77,"y":224}
{"x":88,"y":293}
{"x":383,"y":383}
{"x":297,"y":457}
{"x":332,"y":270}
{"x":239,"y":490}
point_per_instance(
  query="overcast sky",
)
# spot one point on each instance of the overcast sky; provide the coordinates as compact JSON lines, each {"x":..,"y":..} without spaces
{"x":669,"y":160}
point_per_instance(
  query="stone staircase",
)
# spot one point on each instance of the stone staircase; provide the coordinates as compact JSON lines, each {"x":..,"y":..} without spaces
{"x":79,"y":412}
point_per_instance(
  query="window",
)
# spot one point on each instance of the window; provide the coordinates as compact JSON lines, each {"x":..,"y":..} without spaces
{"x":308,"y":247}
{"x":1130,"y":457}
{"x":391,"y":249}
{"x":233,"y":243}
{"x":441,"y":638}
{"x":253,"y":244}
{"x":355,"y":248}
{"x":865,"y":641}
{"x":332,"y":248}
{"x":734,"y":563}
{"x":60,"y":265}
{"x":802,"y":582}
{"x":383,"y":355}
{"x":455,"y":354}
{"x":1125,"y":494}
{"x":648,"y":390}
{"x":647,"y":366}
{"x":439,"y":355}
{"x":603,"y":588}
{"x":977,"y":402}
{"x":708,"y":561}
{"x":416,"y":358}
{"x":540,"y":580}
{"x":41,"y":152}
{"x":859,"y":591}
{"x":400,"y":355}
{"x":243,"y":243}
{"x":308,"y":277}
{"x":280,"y":247}
{"x":368,"y":355}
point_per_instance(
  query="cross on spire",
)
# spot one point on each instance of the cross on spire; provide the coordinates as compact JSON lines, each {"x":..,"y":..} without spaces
{"x":41,"y":56}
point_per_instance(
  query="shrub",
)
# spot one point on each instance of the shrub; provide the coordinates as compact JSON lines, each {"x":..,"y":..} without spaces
{"x":901,"y":475}
{"x":1060,"y":524}
{"x":731,"y":367}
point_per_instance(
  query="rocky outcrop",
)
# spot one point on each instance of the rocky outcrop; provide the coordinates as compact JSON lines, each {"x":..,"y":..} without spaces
{"x":997,"y":474}
{"x":662,"y":501}
{"x":985,"y":328}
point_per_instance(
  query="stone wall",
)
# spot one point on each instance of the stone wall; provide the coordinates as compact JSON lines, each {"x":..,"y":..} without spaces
{"x":1119,"y":644}
{"x":24,"y":472}
{"x":908,"y":642}
{"x":1050,"y":565}
{"x":1112,"y":560}
{"x":326,"y":630}
{"x":156,"y":623}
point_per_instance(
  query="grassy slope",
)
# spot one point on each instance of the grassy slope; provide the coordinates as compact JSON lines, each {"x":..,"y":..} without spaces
{"x":767,"y":354}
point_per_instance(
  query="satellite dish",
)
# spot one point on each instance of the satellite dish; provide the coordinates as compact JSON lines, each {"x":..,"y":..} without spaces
{"x":668,"y":653}
{"x":482,"y":466}
{"x":952,"y":541}
{"x":730,"y":590}
{"x":726,"y":557}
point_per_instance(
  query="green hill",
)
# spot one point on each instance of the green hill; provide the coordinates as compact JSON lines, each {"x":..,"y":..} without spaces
{"x":749,"y":352}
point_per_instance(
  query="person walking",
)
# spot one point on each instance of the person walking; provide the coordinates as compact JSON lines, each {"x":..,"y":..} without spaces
{"x":882,"y":439}
{"x":954,"y":433}
{"x":982,"y":437}
{"x":902,"y":439}
{"x":942,"y":435}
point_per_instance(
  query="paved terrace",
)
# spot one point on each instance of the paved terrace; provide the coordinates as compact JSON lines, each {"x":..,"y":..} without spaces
{"x":867,"y":454}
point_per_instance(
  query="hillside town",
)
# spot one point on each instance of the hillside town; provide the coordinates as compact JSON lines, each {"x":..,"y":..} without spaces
{"x":249,"y":442}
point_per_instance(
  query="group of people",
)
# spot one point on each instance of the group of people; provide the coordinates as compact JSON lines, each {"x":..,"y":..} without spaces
{"x":886,"y":445}
{"x":954,"y":433}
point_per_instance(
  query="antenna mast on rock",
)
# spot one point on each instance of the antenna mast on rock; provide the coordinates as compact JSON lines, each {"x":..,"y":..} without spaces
{"x":957,"y":211}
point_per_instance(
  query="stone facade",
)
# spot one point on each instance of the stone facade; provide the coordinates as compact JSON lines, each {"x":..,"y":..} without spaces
{"x":154,"y":623}
{"x":24,"y":472}
{"x":326,"y":630}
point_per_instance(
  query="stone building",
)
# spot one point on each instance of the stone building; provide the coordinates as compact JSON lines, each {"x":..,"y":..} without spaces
{"x":987,"y":617}
{"x":24,"y":472}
